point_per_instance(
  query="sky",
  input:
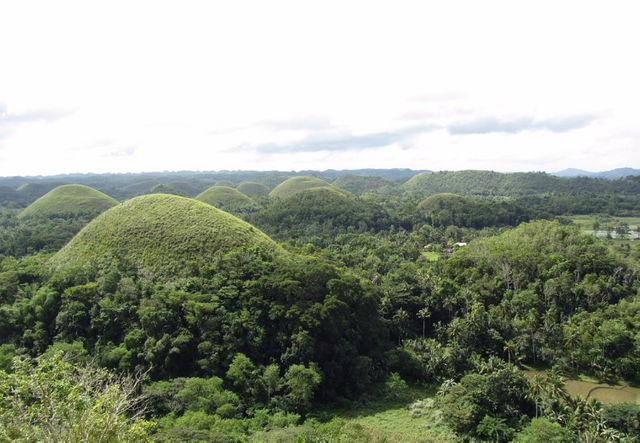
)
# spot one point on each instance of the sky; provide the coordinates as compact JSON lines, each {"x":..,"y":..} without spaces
{"x":143,"y":86}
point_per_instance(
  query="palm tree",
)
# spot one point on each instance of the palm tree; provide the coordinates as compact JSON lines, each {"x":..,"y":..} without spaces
{"x":509,"y":348}
{"x":424,"y":314}
{"x":401,"y":317}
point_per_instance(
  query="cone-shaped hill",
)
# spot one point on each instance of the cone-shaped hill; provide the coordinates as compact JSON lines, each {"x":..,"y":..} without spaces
{"x":253,"y":189}
{"x":166,"y":235}
{"x":227,"y":199}
{"x":321,"y":206}
{"x":297,"y":184}
{"x":69,"y":201}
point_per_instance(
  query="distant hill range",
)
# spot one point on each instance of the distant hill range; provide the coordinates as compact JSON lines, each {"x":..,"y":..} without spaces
{"x":612,"y":175}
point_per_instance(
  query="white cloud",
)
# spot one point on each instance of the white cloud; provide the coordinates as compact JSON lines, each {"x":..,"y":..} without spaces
{"x":168,"y":85}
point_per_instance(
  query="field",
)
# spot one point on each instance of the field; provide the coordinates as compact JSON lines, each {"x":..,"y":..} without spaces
{"x":586,"y":223}
{"x":606,"y":393}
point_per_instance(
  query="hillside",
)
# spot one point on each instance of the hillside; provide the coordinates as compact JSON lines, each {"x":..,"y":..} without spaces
{"x":452,"y":209}
{"x":165,"y":234}
{"x":227,"y":199}
{"x":359,"y":184}
{"x":69,"y":201}
{"x":140,"y":188}
{"x":296,"y":184}
{"x":322,"y":210}
{"x":253,"y":189}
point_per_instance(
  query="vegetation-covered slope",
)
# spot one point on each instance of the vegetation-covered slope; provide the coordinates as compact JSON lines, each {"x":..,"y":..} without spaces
{"x":168,"y":235}
{"x":69,"y":201}
{"x":323,"y":210}
{"x":140,"y":188}
{"x":295,"y":185}
{"x":359,"y":184}
{"x":451,"y":209}
{"x":253,"y":189}
{"x":227,"y":199}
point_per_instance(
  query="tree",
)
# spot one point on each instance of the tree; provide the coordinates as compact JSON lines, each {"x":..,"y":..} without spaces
{"x":242,"y":373}
{"x":301,"y":382}
{"x":51,"y":399}
{"x":541,"y":429}
{"x":271,"y":380}
{"x":424,"y":314}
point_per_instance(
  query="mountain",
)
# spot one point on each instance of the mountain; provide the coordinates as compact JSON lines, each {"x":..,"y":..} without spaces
{"x":159,"y":234}
{"x":297,"y":184}
{"x":227,"y":199}
{"x":69,"y":201}
{"x":614,"y":174}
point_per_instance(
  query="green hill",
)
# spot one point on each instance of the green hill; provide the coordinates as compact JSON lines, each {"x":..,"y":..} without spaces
{"x":452,"y":209}
{"x":324,"y":210}
{"x":296,"y":184}
{"x":169,"y":236}
{"x":29,"y":192}
{"x":69,"y":201}
{"x":253,"y":189}
{"x":359,"y":184}
{"x":226,"y":183}
{"x":140,"y":188}
{"x":227,"y":199}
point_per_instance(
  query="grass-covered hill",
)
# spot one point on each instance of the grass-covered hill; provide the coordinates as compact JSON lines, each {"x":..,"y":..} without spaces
{"x":68,"y":201}
{"x":185,"y":187}
{"x":227,"y":199}
{"x":167,"y":235}
{"x":359,"y":184}
{"x":452,"y":209}
{"x":297,"y":184}
{"x":140,"y":188}
{"x":324,"y":210}
{"x":29,"y":192}
{"x":253,"y":189}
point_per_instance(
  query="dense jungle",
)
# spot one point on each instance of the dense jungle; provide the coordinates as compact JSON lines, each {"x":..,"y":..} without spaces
{"x":365,"y":305}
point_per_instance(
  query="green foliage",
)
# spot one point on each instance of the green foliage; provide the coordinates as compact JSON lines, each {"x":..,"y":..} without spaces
{"x":301,"y":382}
{"x":252,"y":189}
{"x":166,"y":235}
{"x":54,"y":400}
{"x":227,"y":199}
{"x":296,"y":184}
{"x":452,"y":209}
{"x":69,"y":201}
{"x":326,"y":210}
{"x":543,"y":430}
{"x":361,"y":184}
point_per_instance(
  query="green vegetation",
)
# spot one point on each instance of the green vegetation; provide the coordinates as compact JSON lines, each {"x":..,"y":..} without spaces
{"x":297,"y":184}
{"x":69,"y":201}
{"x":140,"y":188}
{"x":227,"y":199}
{"x":361,"y":184}
{"x":403,"y":313}
{"x":168,"y":235}
{"x":252,"y":189}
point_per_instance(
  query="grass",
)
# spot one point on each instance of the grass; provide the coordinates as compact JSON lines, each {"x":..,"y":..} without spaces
{"x":587,"y":387}
{"x":226,"y":198}
{"x":69,"y":200}
{"x":405,"y":415}
{"x":169,"y":236}
{"x":296,"y":184}
{"x":253,"y":189}
{"x":431,"y":256}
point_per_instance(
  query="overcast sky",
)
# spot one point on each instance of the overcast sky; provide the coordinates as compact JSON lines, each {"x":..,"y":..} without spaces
{"x":137,"y":86}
